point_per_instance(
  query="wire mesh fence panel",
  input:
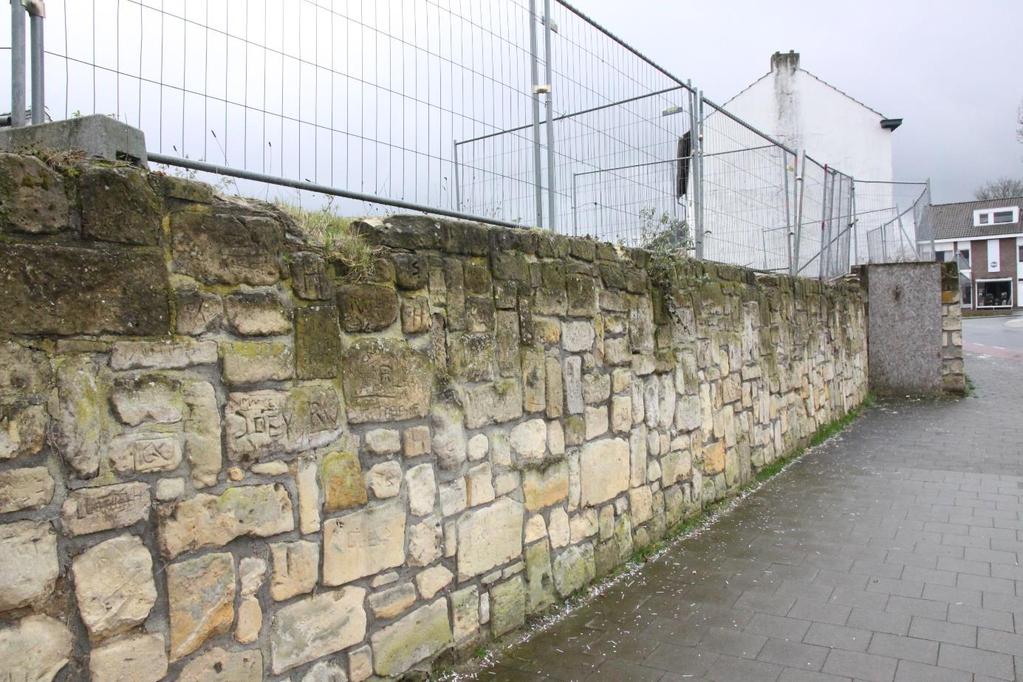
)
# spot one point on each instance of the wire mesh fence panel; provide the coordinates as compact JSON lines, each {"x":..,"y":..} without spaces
{"x":892,"y":220}
{"x":811,"y":198}
{"x":367,"y":95}
{"x":746,"y":198}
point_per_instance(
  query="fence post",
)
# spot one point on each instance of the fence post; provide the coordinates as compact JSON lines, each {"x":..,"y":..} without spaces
{"x":799,"y":189}
{"x":551,"y":208}
{"x":698,"y":176}
{"x":37,"y":12}
{"x":17,"y":64}
{"x":535,"y":74}
{"x":458,"y":177}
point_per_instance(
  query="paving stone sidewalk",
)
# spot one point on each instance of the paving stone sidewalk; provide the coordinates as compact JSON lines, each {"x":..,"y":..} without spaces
{"x":891,"y":553}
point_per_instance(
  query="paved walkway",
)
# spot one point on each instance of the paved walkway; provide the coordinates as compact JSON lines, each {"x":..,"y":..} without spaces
{"x":891,"y":553}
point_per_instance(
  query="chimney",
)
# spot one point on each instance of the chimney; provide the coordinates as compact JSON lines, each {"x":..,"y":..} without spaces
{"x":785,"y":61}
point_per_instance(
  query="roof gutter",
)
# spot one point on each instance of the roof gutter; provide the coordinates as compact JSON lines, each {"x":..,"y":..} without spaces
{"x":891,"y":124}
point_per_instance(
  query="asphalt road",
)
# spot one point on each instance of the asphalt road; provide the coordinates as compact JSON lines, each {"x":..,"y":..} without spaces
{"x":995,"y":336}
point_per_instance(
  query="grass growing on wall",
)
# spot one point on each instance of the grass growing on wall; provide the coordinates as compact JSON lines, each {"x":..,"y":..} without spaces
{"x":335,"y":234}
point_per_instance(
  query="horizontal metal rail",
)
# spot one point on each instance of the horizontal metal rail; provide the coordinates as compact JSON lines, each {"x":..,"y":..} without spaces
{"x":205,"y":167}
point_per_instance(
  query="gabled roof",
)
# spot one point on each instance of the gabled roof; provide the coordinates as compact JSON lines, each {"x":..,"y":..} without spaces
{"x":816,"y":78}
{"x":955,"y":221}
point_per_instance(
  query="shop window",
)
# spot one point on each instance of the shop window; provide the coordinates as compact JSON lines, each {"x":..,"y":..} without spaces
{"x":994,"y":293}
{"x":967,"y":295}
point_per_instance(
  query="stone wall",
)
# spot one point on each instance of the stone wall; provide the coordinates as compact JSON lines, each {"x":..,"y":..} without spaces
{"x":223,"y":455}
{"x":953,"y":372}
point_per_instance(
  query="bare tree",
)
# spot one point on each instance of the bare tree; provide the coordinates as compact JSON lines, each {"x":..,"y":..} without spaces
{"x":1002,"y":188}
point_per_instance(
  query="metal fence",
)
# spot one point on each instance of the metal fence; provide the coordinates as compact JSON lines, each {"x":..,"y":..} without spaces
{"x":517,"y":112}
{"x":894,"y":221}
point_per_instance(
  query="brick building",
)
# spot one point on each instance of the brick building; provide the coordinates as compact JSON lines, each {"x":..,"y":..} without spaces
{"x":986,"y":237}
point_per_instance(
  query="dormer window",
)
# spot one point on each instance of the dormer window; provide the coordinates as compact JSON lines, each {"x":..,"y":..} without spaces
{"x":996,"y":216}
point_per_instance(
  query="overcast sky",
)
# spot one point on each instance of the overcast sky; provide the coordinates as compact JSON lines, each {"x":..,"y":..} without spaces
{"x":952,"y":70}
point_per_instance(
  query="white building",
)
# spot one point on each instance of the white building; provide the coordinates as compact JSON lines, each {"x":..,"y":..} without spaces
{"x":807,"y":114}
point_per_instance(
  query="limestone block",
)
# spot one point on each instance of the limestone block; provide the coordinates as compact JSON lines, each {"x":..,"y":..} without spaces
{"x":28,"y":488}
{"x":546,"y":487}
{"x":363,"y":543}
{"x":252,"y":362}
{"x":584,"y":524}
{"x":90,"y":510}
{"x":114,"y":585}
{"x":688,"y":413}
{"x":596,"y":388}
{"x":197,"y":311}
{"x":714,"y":458}
{"x":534,"y":380}
{"x":36,"y":648}
{"x":641,"y":504}
{"x":296,"y":568}
{"x":507,"y":606}
{"x":215,"y":520}
{"x":494,"y":403}
{"x":360,"y":663}
{"x":168,"y":489}
{"x":385,"y":380}
{"x":651,"y":396}
{"x":202,"y":432}
{"x":536,"y":528}
{"x":577,"y":336}
{"x":448,"y":441}
{"x":488,"y":537}
{"x":454,"y":497}
{"x":424,"y":544}
{"x":176,"y":354}
{"x":325,"y":671}
{"x":28,"y":563}
{"x":383,"y":441}
{"x":471,"y":355}
{"x":309,"y":278}
{"x":384,"y":479}
{"x":317,"y":626}
{"x":69,"y":290}
{"x":539,"y":579}
{"x":573,"y":384}
{"x":638,"y":455}
{"x":82,"y":423}
{"x":479,"y":485}
{"x":32,"y":196}
{"x":555,"y":438}
{"x":415,"y":441}
{"x":257,"y":314}
{"x":477,"y":447}
{"x":507,"y":350}
{"x":367,"y":307}
{"x":596,"y":421}
{"x":465,"y":612}
{"x":432,"y":580}
{"x":422,"y":489}
{"x":306,"y":472}
{"x":555,"y":389}
{"x":267,"y":422}
{"x":141,"y":658}
{"x":317,"y":342}
{"x":222,"y":248}
{"x":621,"y":414}
{"x":604,"y":470}
{"x":676,"y":466}
{"x":418,"y":636}
{"x":529,"y":442}
{"x":558,"y":527}
{"x":224,"y":666}
{"x":200,"y":596}
{"x":574,"y":568}
{"x":393,"y":601}
{"x":341,"y":478}
{"x":24,"y":432}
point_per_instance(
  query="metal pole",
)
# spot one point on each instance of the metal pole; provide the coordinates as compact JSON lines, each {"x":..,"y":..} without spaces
{"x":37,"y":12}
{"x":535,"y":73}
{"x":854,"y":222}
{"x":551,"y":207}
{"x":800,"y":189}
{"x":575,"y":208}
{"x":17,"y":64}
{"x":925,"y":217}
{"x":698,"y":176}
{"x":788,"y":207}
{"x":458,"y":180}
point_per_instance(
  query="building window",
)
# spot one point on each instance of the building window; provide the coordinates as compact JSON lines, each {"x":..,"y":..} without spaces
{"x":964,"y":257}
{"x":994,"y":293}
{"x":996,"y":216}
{"x":967,"y":295}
